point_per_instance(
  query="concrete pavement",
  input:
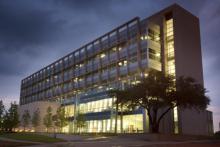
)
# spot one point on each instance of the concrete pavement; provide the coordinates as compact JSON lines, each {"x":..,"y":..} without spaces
{"x":122,"y":141}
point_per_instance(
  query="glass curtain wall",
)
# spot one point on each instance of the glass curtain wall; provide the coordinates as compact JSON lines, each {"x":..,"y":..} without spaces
{"x":171,"y":63}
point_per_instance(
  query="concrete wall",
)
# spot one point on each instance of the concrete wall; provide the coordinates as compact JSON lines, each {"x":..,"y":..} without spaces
{"x":195,"y":122}
{"x":32,"y":107}
{"x":188,"y":62}
{"x":188,"y":56}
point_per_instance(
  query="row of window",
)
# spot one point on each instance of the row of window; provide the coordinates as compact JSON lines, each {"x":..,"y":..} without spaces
{"x":96,"y":106}
{"x":130,"y":123}
{"x":69,"y":60}
{"x":124,"y":66}
{"x":59,"y":91}
{"x":90,"y":50}
{"x":84,"y":74}
{"x":89,"y":65}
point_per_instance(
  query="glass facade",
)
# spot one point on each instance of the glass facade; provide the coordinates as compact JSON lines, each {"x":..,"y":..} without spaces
{"x":81,"y":80}
{"x":96,"y":106}
{"x":171,"y":63}
{"x":170,"y":47}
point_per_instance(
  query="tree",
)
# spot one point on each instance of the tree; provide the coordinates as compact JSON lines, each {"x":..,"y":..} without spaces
{"x":36,"y":119}
{"x":159,"y":93}
{"x":26,"y":119}
{"x":121,"y":101}
{"x":80,"y":121}
{"x":2,"y":110}
{"x":47,"y":120}
{"x":11,"y":118}
{"x":59,"y":118}
{"x":7,"y":122}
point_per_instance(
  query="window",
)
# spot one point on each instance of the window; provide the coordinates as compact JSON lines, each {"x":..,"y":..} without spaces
{"x":96,"y":106}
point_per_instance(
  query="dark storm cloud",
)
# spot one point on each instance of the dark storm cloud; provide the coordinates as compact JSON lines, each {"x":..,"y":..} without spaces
{"x":23,"y":29}
{"x":210,"y":34}
{"x":23,"y":26}
{"x":86,"y":5}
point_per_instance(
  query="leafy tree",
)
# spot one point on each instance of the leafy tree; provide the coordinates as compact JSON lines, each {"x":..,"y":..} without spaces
{"x":7,"y":122}
{"x":36,"y":118}
{"x":59,"y":119}
{"x":47,"y":120}
{"x":26,"y":119}
{"x":80,"y":121}
{"x":121,"y":101}
{"x":2,"y":110}
{"x":159,"y":93}
{"x":11,"y":118}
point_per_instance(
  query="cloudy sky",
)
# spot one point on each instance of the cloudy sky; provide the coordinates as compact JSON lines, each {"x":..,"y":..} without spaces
{"x":33,"y":34}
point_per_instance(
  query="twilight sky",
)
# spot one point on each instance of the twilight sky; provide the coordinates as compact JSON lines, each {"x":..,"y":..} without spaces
{"x":33,"y":34}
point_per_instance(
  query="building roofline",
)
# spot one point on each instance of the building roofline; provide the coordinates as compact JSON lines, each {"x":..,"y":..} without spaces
{"x":173,"y":6}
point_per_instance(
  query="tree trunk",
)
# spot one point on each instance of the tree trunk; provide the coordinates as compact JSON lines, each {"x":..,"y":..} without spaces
{"x":121,"y":117}
{"x":154,"y":124}
{"x":155,"y":128}
{"x":116,"y":118}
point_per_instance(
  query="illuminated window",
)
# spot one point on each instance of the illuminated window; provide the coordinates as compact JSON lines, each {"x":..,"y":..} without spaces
{"x":133,"y":123}
{"x":171,"y":63}
{"x":102,"y":55}
{"x":123,"y":63}
{"x":175,"y":116}
{"x":170,"y":47}
{"x":114,"y":49}
{"x":96,"y":106}
{"x":120,"y":64}
{"x":69,"y":110}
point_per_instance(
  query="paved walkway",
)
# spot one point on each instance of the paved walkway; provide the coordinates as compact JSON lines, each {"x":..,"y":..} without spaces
{"x":129,"y":144}
{"x":117,"y":141}
{"x":120,"y":141}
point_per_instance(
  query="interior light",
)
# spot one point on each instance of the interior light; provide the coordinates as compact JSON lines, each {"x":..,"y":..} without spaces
{"x":120,"y":63}
{"x":133,"y":82}
{"x":114,"y":48}
{"x":158,"y":54}
{"x":75,"y":80}
{"x":157,"y":38}
{"x":102,"y":55}
{"x":138,"y":81}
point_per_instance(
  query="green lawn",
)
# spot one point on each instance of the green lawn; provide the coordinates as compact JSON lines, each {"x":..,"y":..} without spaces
{"x":14,"y":144}
{"x":30,"y":137}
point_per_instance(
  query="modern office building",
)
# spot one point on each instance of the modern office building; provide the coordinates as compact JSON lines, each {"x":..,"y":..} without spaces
{"x":167,"y":41}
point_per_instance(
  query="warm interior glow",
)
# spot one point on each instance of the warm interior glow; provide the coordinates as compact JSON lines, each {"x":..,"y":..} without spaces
{"x":102,"y":55}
